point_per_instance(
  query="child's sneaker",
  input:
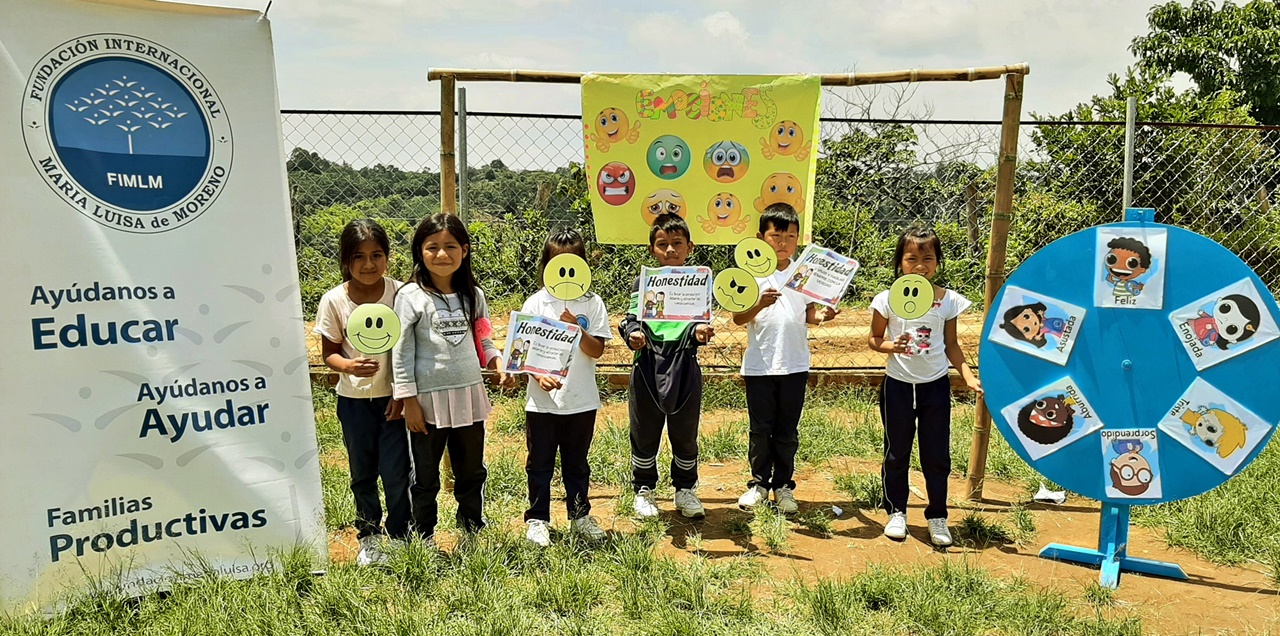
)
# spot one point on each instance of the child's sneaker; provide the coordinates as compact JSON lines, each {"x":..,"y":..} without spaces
{"x":785,"y":499}
{"x":644,"y":505}
{"x":370,"y":551}
{"x":753,"y":497}
{"x":688,"y":505}
{"x":938,"y":533}
{"x":539,"y":533}
{"x":588,"y":529}
{"x":897,"y":526}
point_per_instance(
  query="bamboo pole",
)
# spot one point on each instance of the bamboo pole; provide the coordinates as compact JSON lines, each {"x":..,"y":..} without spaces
{"x":830,"y":79}
{"x":448,"y":163}
{"x":1001,"y":218}
{"x":971,"y":218}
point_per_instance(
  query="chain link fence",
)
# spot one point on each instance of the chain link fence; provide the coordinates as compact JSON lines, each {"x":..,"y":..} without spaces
{"x":875,"y":176}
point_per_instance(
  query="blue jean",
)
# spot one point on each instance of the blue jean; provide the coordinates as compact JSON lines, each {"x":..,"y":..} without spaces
{"x":376,"y":448}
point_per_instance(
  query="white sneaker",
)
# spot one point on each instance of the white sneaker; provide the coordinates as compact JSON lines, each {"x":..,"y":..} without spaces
{"x":688,"y":505}
{"x":785,"y":500}
{"x":938,"y":532}
{"x":588,"y":529}
{"x":644,"y":505}
{"x":539,"y":533}
{"x":753,"y":497}
{"x":897,"y":526}
{"x":370,"y":551}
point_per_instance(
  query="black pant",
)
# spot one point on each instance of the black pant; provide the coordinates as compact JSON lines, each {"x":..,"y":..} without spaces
{"x":774,"y":404}
{"x":647,"y":420}
{"x":466,"y":452}
{"x":571,"y":434}
{"x":902,"y":405}
{"x":376,"y":447}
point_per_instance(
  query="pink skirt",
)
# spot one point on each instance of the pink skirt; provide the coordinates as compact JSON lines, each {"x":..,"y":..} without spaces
{"x":452,"y":408}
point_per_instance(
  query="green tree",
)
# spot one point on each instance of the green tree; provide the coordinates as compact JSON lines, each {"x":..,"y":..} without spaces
{"x":1233,"y":48}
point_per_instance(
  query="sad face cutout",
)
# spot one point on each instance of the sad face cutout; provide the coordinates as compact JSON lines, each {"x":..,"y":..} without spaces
{"x":911,"y":296}
{"x":755,"y":256}
{"x":567,"y":277}
{"x":736,"y":290}
{"x":373,"y":328}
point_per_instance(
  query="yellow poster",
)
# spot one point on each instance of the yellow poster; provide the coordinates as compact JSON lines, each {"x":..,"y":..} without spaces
{"x":715,"y":149}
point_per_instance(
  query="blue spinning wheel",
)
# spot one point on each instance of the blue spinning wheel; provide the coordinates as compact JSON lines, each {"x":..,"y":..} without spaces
{"x":1133,"y":363}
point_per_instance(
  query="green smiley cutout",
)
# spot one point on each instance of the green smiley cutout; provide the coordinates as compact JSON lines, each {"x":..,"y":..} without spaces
{"x":373,"y":328}
{"x":755,"y":256}
{"x":911,"y":296}
{"x":567,"y":277}
{"x":736,"y":290}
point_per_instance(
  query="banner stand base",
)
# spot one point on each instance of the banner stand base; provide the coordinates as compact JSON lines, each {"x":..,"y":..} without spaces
{"x":1111,"y":555}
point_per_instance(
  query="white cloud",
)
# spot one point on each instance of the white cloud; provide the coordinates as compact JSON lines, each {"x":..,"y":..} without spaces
{"x":724,"y":24}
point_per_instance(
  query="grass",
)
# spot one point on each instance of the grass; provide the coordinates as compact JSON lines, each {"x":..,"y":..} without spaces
{"x":772,"y":527}
{"x":978,"y":530}
{"x":864,"y":490}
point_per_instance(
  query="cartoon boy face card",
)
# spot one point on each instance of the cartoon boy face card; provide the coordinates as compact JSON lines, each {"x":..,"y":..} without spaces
{"x":1214,"y":426}
{"x":1131,"y":459}
{"x":1224,"y":324}
{"x":1051,"y":418}
{"x":1129,"y":269}
{"x":1037,"y":325}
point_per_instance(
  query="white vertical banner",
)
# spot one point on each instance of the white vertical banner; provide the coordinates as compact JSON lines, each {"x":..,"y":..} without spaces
{"x":153,"y":367}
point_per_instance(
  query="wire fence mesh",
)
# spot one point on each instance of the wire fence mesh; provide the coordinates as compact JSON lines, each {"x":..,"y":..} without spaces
{"x":875,"y":176}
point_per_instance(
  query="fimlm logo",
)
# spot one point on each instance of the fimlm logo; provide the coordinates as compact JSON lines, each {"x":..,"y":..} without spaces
{"x":129,"y":133}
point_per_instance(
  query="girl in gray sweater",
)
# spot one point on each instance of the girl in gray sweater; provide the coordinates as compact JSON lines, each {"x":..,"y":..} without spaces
{"x":436,"y":371}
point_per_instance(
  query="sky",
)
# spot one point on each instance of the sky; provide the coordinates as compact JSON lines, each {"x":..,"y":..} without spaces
{"x":374,"y":54}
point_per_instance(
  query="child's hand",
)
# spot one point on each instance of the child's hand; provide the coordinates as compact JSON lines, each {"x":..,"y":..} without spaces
{"x":975,"y":385}
{"x":704,"y":332}
{"x":829,"y":312}
{"x":362,"y":367}
{"x":768,"y":297}
{"x":548,"y":384}
{"x":413,"y":417}
{"x":506,"y":381}
{"x":900,"y":344}
{"x":636,"y":340}
{"x":567,"y":316}
{"x":395,"y":410}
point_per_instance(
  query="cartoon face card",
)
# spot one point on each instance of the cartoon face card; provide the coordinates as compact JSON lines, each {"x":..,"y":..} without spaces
{"x":1224,"y":324}
{"x":1037,"y":325}
{"x":1131,"y":459}
{"x":1129,"y":267}
{"x":1214,"y":426}
{"x":1051,"y":418}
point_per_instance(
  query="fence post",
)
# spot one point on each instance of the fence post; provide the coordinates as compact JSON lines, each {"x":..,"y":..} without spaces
{"x":971,"y":218}
{"x":462,"y":152}
{"x":1130,"y":120}
{"x":448,"y":168}
{"x":1001,"y":218}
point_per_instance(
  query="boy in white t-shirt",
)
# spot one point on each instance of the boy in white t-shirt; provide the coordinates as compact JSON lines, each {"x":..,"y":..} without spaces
{"x":916,"y":387}
{"x":775,"y":367}
{"x":562,"y":415}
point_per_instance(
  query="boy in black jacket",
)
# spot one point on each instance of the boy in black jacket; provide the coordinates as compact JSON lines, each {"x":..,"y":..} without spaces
{"x":666,"y":384}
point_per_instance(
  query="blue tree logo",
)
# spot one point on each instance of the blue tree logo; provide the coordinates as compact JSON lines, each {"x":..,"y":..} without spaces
{"x":128,"y":100}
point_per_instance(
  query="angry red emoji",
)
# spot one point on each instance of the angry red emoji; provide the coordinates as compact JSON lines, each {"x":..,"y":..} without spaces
{"x":616,"y":183}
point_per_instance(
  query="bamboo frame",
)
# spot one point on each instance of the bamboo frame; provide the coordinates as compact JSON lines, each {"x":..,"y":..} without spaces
{"x":1001,"y":219}
{"x":1002,"y":216}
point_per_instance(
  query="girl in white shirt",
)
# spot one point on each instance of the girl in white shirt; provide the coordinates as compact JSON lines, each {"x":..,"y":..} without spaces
{"x":916,"y":392}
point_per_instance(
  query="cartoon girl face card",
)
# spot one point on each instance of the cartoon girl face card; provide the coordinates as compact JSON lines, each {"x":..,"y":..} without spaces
{"x":1224,"y":324}
{"x":1037,"y":325}
{"x":1214,"y":426}
{"x":1131,"y":459}
{"x":1051,"y":418}
{"x":1129,"y":270}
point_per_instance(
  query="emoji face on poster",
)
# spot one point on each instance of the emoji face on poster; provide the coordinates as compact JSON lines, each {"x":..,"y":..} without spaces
{"x":781,"y":187}
{"x":786,"y":139}
{"x":726,"y":161}
{"x":724,"y":211}
{"x":612,"y":127}
{"x":910,"y":296}
{"x":662,"y":202}
{"x":567,"y":277}
{"x":616,"y":183}
{"x":736,"y":290}
{"x":373,"y":328}
{"x":755,"y":256}
{"x":668,"y":157}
